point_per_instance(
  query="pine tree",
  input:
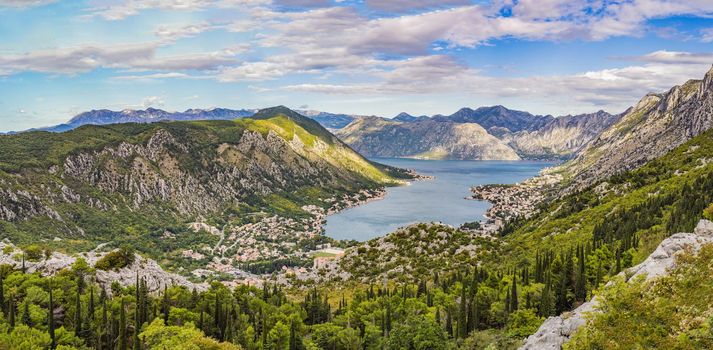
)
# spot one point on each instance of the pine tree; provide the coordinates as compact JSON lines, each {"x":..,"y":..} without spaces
{"x":50,"y":322}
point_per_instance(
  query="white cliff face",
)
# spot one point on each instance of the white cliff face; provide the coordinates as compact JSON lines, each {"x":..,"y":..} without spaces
{"x":556,"y":331}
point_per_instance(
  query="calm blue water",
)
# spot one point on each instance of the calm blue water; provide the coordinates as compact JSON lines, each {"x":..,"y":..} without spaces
{"x":441,"y":199}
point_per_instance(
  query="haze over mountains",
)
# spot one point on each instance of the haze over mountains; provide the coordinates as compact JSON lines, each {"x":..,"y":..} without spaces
{"x":485,"y":133}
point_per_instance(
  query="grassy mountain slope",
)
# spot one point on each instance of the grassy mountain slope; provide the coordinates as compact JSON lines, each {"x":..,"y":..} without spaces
{"x":666,"y":195}
{"x":143,"y":182}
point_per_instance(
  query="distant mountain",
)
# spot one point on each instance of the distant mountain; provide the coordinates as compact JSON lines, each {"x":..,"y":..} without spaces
{"x":654,"y":126}
{"x":562,"y":137}
{"x":381,"y":137}
{"x":329,"y":120}
{"x":498,"y":119}
{"x":405,"y":117}
{"x":150,"y":115}
{"x":530,"y":136}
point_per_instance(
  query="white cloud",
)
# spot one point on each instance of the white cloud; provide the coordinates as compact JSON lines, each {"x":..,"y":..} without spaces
{"x":24,"y":3}
{"x":145,"y":77}
{"x":411,"y":5}
{"x":127,"y":8}
{"x":612,"y":89}
{"x":141,"y":56}
{"x":707,"y":35}
{"x":152,"y":101}
{"x":676,"y":57}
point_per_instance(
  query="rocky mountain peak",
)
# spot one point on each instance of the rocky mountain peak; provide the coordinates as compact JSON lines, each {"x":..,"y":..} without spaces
{"x":708,"y":80}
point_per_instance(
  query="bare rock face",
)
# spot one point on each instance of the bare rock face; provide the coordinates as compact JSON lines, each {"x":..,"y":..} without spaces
{"x":562,"y":137}
{"x":557,"y":330}
{"x":656,"y":125}
{"x":429,"y":139}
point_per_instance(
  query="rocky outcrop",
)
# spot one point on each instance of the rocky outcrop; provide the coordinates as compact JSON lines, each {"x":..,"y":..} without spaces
{"x":378,"y":137}
{"x":657,"y":124}
{"x":148,"y":269}
{"x":556,"y":331}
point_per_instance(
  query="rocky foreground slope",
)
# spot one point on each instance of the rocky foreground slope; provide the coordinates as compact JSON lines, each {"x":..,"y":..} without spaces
{"x":556,"y":331}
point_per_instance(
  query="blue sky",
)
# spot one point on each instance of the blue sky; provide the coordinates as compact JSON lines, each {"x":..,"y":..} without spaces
{"x":380,"y":57}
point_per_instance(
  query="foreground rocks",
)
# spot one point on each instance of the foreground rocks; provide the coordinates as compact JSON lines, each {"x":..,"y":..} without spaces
{"x":556,"y":331}
{"x":156,"y":277}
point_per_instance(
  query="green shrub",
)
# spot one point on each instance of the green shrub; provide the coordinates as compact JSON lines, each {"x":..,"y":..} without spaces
{"x":33,"y":252}
{"x":708,"y":212}
{"x":116,"y":260}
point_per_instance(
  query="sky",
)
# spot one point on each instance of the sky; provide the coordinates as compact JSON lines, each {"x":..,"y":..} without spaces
{"x":367,"y":57}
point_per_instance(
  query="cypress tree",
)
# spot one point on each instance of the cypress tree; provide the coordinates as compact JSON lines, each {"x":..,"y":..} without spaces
{"x":122,"y":326}
{"x":513,"y":294}
{"x":87,"y":328}
{"x":476,"y":313}
{"x":449,"y":322}
{"x":388,"y":318}
{"x":166,"y":305}
{"x":78,"y":309}
{"x":217,"y":318}
{"x":581,"y":288}
{"x":26,"y":320}
{"x":201,"y":323}
{"x":2,"y":294}
{"x":293,"y":335}
{"x":462,"y":326}
{"x":50,"y":322}
{"x":105,"y":324}
{"x":11,"y":312}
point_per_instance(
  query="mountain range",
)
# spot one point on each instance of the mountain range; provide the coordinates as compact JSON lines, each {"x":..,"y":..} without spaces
{"x":486,"y":133}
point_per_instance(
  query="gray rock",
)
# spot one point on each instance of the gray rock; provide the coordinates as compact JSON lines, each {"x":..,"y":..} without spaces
{"x":557,"y":330}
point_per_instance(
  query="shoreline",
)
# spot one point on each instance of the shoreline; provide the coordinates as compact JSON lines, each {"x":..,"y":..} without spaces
{"x":512,"y":201}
